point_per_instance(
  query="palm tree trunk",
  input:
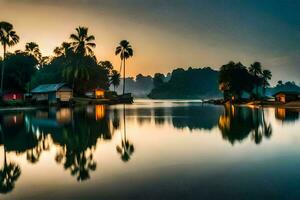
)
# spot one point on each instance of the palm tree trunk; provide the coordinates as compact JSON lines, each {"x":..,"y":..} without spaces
{"x":3,"y":68}
{"x":124,"y":76}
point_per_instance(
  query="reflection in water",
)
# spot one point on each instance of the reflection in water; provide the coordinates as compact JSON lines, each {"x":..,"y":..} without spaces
{"x":9,"y":173}
{"x":286,"y":115}
{"x":195,"y":117}
{"x":238,"y":122}
{"x":126,"y":148}
{"x":75,"y":133}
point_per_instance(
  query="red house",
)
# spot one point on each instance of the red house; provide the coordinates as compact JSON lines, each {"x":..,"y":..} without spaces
{"x":13,"y":96}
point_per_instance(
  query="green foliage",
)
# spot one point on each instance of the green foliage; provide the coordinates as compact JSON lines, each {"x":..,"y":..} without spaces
{"x":191,"y":83}
{"x":234,"y":79}
{"x":158,"y":80}
{"x":82,"y":43}
{"x":115,"y":79}
{"x":8,"y":38}
{"x":20,"y":68}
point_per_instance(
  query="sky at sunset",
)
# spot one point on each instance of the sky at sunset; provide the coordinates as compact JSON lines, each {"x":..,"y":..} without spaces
{"x":167,"y":34}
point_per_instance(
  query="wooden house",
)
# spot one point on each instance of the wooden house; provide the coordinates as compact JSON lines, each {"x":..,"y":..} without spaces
{"x":52,"y":93}
{"x":287,"y":96}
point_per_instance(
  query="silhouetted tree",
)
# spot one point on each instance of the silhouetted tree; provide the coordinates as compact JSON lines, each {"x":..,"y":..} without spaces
{"x":115,"y":79}
{"x":158,"y":80}
{"x":125,"y":51}
{"x":234,"y":78}
{"x":266,"y":76}
{"x":83,"y":43}
{"x":256,"y":70}
{"x":32,"y":49}
{"x":8,"y":38}
{"x":126,"y":148}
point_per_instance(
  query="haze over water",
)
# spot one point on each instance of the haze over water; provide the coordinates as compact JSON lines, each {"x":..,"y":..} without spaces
{"x":151,"y":150}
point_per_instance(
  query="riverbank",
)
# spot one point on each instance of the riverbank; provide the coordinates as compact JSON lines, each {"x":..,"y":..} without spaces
{"x":77,"y":101}
{"x":289,"y":105}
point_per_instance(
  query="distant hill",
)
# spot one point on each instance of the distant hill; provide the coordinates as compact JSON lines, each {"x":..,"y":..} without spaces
{"x":200,"y":83}
{"x":283,"y":87}
{"x":140,"y":86}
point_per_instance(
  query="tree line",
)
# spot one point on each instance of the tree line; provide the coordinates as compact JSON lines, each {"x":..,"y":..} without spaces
{"x":73,"y":62}
{"x":235,"y":79}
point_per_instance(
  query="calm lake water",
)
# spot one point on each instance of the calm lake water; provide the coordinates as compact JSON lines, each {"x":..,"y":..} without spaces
{"x":150,"y":150}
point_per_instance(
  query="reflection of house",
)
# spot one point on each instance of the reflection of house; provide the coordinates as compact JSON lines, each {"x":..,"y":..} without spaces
{"x":53,"y":118}
{"x":13,"y":96}
{"x":97,"y":93}
{"x":285,"y":97}
{"x":286,"y":115}
{"x":100,"y":112}
{"x":13,"y":119}
{"x":52,"y":93}
{"x":96,"y":112}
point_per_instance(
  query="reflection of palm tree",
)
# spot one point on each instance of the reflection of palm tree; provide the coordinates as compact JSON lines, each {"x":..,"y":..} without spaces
{"x":257,"y":134}
{"x":9,"y":174}
{"x":126,"y":148}
{"x":267,"y":128}
{"x":33,"y":155}
{"x":79,"y":163}
{"x":262,"y":128}
{"x":78,"y":142}
{"x":116,"y":119}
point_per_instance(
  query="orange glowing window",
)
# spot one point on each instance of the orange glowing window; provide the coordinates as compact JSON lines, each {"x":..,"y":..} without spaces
{"x":99,"y":93}
{"x":100,"y":112}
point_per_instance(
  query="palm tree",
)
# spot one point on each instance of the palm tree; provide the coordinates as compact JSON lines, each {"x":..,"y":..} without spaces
{"x":125,"y":50}
{"x":256,"y":70}
{"x":63,"y":49}
{"x":82,"y":43}
{"x":32,"y":49}
{"x":266,"y":75}
{"x":115,"y":79}
{"x":74,"y":73}
{"x":8,"y":38}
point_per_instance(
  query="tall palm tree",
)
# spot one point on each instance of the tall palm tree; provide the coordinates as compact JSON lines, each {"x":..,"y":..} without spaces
{"x":266,"y":76}
{"x":82,"y":42}
{"x":8,"y":38}
{"x":115,"y":79}
{"x":256,"y":70}
{"x":125,"y":50}
{"x":32,"y":49}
